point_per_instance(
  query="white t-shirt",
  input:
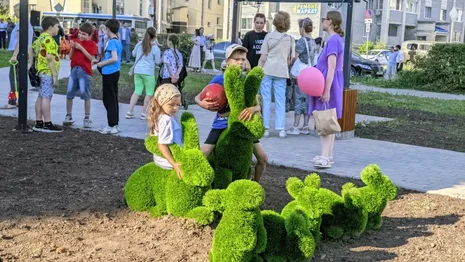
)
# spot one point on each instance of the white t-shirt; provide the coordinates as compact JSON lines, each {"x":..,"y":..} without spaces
{"x":400,"y":57}
{"x":278,"y":47}
{"x":169,"y":132}
{"x":14,"y":37}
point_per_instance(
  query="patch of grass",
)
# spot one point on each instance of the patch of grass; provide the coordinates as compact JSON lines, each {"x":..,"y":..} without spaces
{"x":194,"y":83}
{"x":5,"y":56}
{"x":432,"y":105}
{"x":369,"y":81}
{"x":417,"y":121}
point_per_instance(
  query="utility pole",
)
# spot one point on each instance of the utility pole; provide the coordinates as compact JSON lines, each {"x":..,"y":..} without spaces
{"x":22,"y":61}
{"x":155,"y":24}
{"x":114,"y":9}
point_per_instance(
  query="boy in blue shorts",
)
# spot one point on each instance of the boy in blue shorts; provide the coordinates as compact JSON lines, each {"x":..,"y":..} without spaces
{"x":235,"y":55}
{"x":82,"y":54}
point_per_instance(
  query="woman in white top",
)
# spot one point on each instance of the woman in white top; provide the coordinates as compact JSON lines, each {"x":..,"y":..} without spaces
{"x":163,"y":124}
{"x":147,"y":55}
{"x":194,"y":60}
{"x":278,"y":49}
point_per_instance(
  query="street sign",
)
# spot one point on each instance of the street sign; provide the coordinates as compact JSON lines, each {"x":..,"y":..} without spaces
{"x":453,"y":14}
{"x":368,"y":13}
{"x":367,"y":27}
{"x":368,"y":20}
{"x":58,"y":7}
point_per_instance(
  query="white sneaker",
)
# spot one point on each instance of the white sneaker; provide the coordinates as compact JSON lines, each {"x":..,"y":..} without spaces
{"x":317,"y":158}
{"x":216,"y":70}
{"x":305,"y":130}
{"x":109,"y":130}
{"x":129,"y":115}
{"x":143,"y":116}
{"x":322,"y":162}
{"x":87,"y":123}
{"x":267,"y":133}
{"x":282,"y":134}
{"x":293,"y":131}
{"x":68,"y":121}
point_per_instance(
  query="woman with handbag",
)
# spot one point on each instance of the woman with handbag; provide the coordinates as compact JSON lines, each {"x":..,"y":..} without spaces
{"x":304,"y":51}
{"x":277,"y":51}
{"x":147,"y":55}
{"x":330,"y":63}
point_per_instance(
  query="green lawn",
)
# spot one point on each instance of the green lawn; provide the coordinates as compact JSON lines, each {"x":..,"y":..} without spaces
{"x":194,"y":83}
{"x":5,"y":56}
{"x":417,"y":121}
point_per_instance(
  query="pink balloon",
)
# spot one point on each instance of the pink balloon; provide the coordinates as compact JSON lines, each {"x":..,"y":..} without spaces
{"x":311,"y":81}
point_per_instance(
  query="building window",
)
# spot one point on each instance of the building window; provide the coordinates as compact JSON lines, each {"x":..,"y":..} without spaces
{"x":457,"y":36}
{"x":208,"y":24}
{"x":412,"y":7}
{"x":427,"y":12}
{"x":209,"y":4}
{"x":140,"y":7}
{"x":219,"y":2}
{"x":247,"y":23}
{"x":395,"y":4}
{"x":392,"y":30}
{"x":86,"y":6}
{"x":459,"y":15}
{"x":443,"y":15}
{"x":217,"y":20}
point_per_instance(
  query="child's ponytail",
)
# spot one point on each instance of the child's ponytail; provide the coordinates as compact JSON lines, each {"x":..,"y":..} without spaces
{"x":154,"y":113}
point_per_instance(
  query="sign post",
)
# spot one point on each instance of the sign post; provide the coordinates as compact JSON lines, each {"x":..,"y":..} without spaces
{"x":368,"y":21}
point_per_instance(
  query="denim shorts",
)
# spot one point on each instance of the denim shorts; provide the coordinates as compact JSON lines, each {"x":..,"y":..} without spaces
{"x":80,"y":81}
{"x":46,"y":86}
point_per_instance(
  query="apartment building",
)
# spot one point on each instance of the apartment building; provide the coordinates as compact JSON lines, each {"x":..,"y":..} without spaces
{"x":184,"y":16}
{"x":395,"y":21}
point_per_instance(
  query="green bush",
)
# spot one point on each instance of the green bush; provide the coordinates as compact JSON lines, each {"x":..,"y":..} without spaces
{"x":363,"y":48}
{"x":185,"y":44}
{"x":441,"y":70}
{"x":380,"y":45}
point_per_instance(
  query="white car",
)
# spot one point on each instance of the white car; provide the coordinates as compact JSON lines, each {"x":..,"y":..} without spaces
{"x":378,"y":55}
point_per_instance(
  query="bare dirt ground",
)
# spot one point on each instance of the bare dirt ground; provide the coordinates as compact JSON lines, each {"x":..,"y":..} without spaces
{"x":61,"y":200}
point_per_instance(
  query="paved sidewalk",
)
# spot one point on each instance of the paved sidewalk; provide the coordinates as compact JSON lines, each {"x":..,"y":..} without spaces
{"x":424,"y":169}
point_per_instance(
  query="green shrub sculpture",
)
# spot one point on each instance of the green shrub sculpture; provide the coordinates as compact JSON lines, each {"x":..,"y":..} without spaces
{"x":159,"y":191}
{"x":232,"y":155}
{"x":240,"y":235}
{"x":374,"y":196}
{"x":288,"y":239}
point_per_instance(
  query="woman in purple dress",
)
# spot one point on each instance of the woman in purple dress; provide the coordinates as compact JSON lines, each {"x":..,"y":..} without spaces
{"x":330,"y":64}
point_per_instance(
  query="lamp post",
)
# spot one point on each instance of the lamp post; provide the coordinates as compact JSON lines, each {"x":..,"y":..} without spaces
{"x":22,"y":62}
{"x":114,"y":9}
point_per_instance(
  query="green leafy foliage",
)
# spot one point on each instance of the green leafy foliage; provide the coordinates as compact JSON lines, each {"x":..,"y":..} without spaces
{"x":184,"y":44}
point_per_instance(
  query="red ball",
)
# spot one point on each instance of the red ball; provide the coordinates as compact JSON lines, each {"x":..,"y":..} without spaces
{"x":216,"y":93}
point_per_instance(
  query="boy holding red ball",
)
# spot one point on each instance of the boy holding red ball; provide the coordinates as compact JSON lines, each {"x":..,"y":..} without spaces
{"x":235,"y":55}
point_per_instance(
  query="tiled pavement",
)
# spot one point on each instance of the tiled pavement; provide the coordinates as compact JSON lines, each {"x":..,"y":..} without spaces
{"x":425,"y":169}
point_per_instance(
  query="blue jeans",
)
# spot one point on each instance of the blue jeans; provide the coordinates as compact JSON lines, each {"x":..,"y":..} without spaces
{"x":125,"y":44}
{"x":279,"y":85}
{"x":79,"y":80}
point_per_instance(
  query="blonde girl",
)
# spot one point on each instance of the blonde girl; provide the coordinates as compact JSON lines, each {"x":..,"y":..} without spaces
{"x":163,"y":124}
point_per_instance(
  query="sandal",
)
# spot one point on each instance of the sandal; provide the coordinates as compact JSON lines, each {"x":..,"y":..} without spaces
{"x":331,"y":159}
{"x":143,"y":116}
{"x":322,"y":162}
{"x":305,"y":130}
{"x":293,"y":131}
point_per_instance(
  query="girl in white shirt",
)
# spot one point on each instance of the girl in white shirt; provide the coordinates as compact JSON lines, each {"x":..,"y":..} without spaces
{"x":162,"y":123}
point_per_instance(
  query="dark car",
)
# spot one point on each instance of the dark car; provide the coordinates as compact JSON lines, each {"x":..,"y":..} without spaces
{"x":361,"y":66}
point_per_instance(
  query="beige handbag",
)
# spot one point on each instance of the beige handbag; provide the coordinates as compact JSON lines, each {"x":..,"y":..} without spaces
{"x":326,"y":121}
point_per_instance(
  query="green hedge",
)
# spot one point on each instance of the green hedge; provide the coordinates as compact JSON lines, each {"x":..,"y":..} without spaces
{"x":184,"y":46}
{"x":441,"y":70}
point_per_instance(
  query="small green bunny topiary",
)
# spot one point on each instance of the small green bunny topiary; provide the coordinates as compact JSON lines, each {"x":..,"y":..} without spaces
{"x":375,"y":195}
{"x":287,"y":239}
{"x":240,"y":236}
{"x":305,"y":200}
{"x":232,"y":155}
{"x":159,"y":191}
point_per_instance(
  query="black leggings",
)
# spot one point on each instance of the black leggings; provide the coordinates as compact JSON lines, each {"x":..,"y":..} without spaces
{"x":110,"y":97}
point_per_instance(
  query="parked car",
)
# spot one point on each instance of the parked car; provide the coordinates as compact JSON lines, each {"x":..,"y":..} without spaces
{"x":362,"y":66}
{"x":419,"y":48}
{"x":219,"y":51}
{"x":378,"y":55}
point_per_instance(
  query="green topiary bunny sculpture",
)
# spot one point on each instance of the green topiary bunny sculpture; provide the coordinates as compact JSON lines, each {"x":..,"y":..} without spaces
{"x":287,"y":239}
{"x":159,"y":191}
{"x":240,"y":236}
{"x":232,"y":155}
{"x":375,"y":195}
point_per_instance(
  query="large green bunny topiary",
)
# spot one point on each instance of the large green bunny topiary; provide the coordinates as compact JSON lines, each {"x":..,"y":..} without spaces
{"x":232,"y":155}
{"x":159,"y":191}
{"x":288,"y":239}
{"x":374,"y":196}
{"x":240,"y":236}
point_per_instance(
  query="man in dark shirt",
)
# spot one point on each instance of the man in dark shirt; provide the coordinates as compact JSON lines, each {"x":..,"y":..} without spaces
{"x":253,"y":40}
